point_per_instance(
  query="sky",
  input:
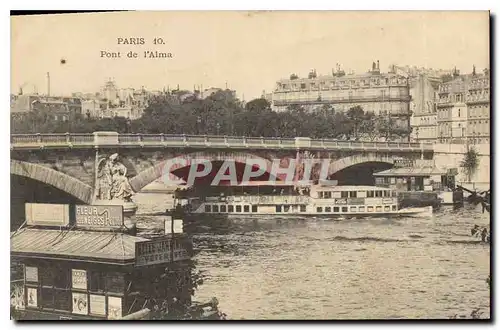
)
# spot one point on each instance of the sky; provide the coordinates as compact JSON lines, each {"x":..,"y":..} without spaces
{"x":249,"y":51}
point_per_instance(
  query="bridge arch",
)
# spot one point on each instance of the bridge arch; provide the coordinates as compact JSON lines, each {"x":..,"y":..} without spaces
{"x":155,"y":172}
{"x":358,"y":159}
{"x":49,"y":176}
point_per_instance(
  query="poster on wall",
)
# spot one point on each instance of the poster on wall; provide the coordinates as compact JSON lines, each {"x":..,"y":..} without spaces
{"x":114,"y":308}
{"x":32,"y":297}
{"x":17,"y":295}
{"x":31,"y":274}
{"x":79,"y":279}
{"x":97,"y":304}
{"x":80,"y":303}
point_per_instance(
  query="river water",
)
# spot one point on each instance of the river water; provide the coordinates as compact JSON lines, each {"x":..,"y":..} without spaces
{"x":351,"y":269}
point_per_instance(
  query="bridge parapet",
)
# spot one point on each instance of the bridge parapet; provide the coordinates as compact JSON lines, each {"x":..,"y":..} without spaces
{"x":113,"y":139}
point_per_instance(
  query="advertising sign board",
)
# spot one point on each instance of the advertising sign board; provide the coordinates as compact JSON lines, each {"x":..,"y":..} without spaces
{"x":47,"y":214}
{"x":100,"y":216}
{"x":159,"y":251}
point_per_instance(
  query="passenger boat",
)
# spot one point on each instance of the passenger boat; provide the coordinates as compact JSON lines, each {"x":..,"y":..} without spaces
{"x":314,"y":201}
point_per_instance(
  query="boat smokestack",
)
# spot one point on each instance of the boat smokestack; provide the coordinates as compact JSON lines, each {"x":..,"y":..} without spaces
{"x":48,"y":84}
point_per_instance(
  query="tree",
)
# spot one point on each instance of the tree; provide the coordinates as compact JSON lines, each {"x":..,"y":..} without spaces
{"x":386,"y":127}
{"x":356,"y":116}
{"x":368,"y":126}
{"x":470,"y":163}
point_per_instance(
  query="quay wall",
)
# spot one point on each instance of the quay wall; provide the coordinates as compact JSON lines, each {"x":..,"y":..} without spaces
{"x":451,"y":155}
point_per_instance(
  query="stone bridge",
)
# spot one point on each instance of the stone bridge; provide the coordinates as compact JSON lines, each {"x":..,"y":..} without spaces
{"x":71,"y":162}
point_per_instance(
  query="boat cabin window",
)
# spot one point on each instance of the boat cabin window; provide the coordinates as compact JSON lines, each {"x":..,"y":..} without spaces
{"x":223,"y":208}
{"x":319,"y":209}
{"x":56,"y":288}
{"x":353,"y":208}
{"x":106,"y":282}
{"x":254,"y":208}
{"x":344,"y":194}
{"x":379,"y":208}
{"x":216,"y":208}
{"x":97,"y":282}
{"x":394,"y":208}
{"x":335,"y":209}
{"x":325,"y":194}
{"x":238,"y":208}
{"x":361,"y":209}
{"x":353,"y":194}
{"x":208,"y":208}
{"x":302,"y":208}
{"x":378,"y":193}
{"x":246,"y":208}
{"x":230,"y":208}
{"x":370,"y":208}
{"x":387,"y":193}
{"x":370,"y":193}
{"x":387,"y":208}
{"x":115,"y":282}
{"x":344,"y":208}
{"x":328,"y":209}
{"x":278,"y":208}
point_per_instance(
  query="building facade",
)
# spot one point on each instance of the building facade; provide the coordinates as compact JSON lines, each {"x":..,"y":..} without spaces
{"x":463,"y":109}
{"x":61,"y":108}
{"x":478,"y":108}
{"x":423,"y":91}
{"x":384,"y":94}
{"x":119,"y":102}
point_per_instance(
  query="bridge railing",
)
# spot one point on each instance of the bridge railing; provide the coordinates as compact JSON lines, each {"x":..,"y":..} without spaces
{"x":181,"y":140}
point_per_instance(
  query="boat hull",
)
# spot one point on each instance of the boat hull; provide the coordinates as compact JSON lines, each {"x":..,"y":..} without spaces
{"x":409,"y":212}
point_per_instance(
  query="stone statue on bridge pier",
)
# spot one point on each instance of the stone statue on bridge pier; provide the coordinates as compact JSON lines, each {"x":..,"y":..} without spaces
{"x":112,"y":182}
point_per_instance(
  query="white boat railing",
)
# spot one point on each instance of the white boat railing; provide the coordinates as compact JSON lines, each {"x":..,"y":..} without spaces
{"x":255,"y":200}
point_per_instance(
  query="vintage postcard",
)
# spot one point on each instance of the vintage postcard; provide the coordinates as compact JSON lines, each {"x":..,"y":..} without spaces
{"x":250,"y":165}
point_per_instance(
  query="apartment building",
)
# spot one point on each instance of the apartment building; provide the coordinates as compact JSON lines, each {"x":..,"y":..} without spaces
{"x":463,"y":109}
{"x":385,"y":94}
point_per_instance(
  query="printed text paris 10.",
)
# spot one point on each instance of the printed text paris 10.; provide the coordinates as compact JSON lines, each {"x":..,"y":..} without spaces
{"x":133,"y":54}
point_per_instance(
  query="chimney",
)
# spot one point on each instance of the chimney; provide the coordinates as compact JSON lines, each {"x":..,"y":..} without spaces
{"x":48,"y":84}
{"x":378,"y":65}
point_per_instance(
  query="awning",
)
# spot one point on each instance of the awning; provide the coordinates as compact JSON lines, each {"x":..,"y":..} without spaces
{"x":411,"y":171}
{"x":105,"y":247}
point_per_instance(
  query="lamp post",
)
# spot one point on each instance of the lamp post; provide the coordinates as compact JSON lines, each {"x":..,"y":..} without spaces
{"x":218,"y":128}
{"x":129,"y":125}
{"x":198,"y":124}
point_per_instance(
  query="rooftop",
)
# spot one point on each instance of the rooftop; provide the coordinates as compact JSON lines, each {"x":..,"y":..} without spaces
{"x":411,"y":171}
{"x":106,"y":247}
{"x":350,"y":188}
